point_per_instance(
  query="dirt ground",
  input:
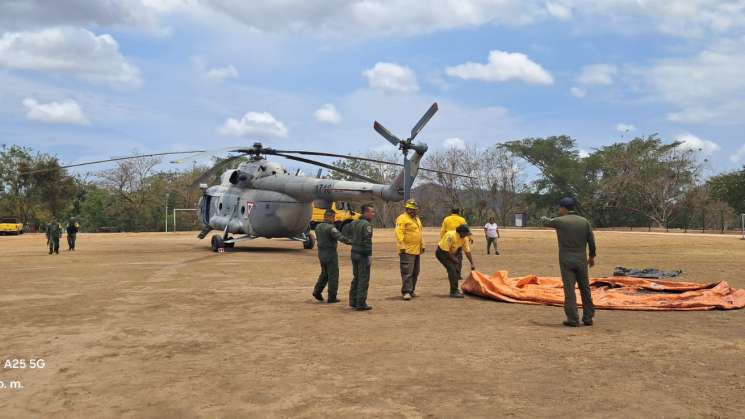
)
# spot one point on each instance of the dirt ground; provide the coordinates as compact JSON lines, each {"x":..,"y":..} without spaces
{"x":156,"y":325}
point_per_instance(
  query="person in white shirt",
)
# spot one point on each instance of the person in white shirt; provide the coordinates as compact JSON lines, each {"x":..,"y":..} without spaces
{"x":491,"y":230}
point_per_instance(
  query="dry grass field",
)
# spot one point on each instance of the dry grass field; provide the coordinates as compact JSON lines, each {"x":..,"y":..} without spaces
{"x":157,"y":326}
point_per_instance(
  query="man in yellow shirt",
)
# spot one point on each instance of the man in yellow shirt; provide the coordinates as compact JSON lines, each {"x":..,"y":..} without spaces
{"x":410,"y":247}
{"x":450,"y":223}
{"x":447,"y":250}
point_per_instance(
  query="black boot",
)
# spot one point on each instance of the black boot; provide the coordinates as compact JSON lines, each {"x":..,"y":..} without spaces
{"x":364,"y":307}
{"x":332,"y":299}
{"x":317,"y":295}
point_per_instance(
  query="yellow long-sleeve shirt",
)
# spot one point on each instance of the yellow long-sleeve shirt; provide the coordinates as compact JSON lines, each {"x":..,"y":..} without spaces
{"x":409,"y":234}
{"x":452,"y":241}
{"x":450,"y":223}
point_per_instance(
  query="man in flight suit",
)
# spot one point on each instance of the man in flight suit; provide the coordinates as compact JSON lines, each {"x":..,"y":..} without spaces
{"x":327,"y":237}
{"x":54,"y":233}
{"x":362,"y":233}
{"x":575,"y":236}
{"x":410,"y":247}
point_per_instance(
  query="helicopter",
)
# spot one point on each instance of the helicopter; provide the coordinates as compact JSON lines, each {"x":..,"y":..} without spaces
{"x":261,"y":199}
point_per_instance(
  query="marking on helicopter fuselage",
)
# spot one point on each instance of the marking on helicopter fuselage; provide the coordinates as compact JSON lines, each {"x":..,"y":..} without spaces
{"x":324,"y":189}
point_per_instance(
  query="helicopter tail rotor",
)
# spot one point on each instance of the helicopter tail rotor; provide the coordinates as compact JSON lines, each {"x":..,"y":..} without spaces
{"x":410,"y":170}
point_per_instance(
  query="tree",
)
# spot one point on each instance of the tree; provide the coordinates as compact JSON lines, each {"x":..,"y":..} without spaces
{"x":563,"y":171}
{"x":730,"y":188}
{"x":646,"y":176}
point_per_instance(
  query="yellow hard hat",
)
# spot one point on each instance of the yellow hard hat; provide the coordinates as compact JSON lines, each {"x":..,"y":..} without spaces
{"x":411,"y":204}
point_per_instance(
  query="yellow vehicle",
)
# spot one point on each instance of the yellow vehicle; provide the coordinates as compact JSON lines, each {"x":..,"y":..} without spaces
{"x":10,"y":225}
{"x":344,"y":214}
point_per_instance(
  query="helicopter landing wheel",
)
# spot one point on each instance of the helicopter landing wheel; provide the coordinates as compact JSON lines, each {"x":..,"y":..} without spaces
{"x":217,"y":243}
{"x":310,"y":242}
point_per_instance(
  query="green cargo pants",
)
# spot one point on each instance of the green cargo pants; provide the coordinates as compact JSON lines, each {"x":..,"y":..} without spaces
{"x":53,"y":245}
{"x":329,"y":275}
{"x":574,"y":271}
{"x":360,"y":280}
{"x":451,"y":267}
{"x":409,"y":272}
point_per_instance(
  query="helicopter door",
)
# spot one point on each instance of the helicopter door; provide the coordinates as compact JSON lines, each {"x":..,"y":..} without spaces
{"x":206,"y":201}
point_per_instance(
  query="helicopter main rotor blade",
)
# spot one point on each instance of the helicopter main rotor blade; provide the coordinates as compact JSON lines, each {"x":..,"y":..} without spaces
{"x":328,"y":166}
{"x":386,"y":134}
{"x":423,"y":121}
{"x":342,"y":156}
{"x":109,"y":160}
{"x":200,"y":154}
{"x":216,"y":168}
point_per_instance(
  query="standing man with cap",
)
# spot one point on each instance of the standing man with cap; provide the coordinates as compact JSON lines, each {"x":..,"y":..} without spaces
{"x":410,"y":247}
{"x":447,"y":250}
{"x":362,"y":233}
{"x":450,"y":223}
{"x":575,"y":237}
{"x":328,"y":237}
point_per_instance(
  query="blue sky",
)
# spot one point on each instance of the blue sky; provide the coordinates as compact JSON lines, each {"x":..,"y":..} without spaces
{"x":88,"y":80}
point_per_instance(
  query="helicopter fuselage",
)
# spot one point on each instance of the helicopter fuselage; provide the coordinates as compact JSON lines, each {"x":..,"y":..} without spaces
{"x":261,"y":199}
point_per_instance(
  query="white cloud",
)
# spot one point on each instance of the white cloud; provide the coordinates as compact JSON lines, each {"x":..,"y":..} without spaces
{"x":366,"y":17}
{"x":739,"y":155}
{"x":214,"y":74}
{"x":705,"y":88}
{"x":578,"y":92}
{"x":621,"y":127}
{"x":74,"y":51}
{"x":691,"y":142}
{"x":254,"y":123}
{"x":502,"y":66}
{"x":685,"y":18}
{"x":391,"y":77}
{"x":559,"y":10}
{"x":598,"y":74}
{"x":64,"y":112}
{"x":121,"y":13}
{"x":327,"y":114}
{"x":584,"y":153}
{"x":221,"y":73}
{"x":454,"y":142}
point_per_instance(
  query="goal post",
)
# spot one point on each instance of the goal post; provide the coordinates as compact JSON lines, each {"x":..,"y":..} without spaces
{"x":742,"y":226}
{"x":174,"y":215}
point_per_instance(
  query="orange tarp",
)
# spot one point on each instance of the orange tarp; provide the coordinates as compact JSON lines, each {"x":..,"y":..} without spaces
{"x":614,"y":293}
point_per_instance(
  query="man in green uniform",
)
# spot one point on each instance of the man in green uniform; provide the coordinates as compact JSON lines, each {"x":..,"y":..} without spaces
{"x":575,"y":236}
{"x":327,"y":237}
{"x":362,"y":233}
{"x":54,"y":233}
{"x":72,"y":233}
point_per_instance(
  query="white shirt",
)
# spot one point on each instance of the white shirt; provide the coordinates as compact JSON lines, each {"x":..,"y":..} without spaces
{"x":491,"y":229}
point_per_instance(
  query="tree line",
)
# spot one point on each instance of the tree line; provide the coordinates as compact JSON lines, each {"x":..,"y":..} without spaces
{"x":644,"y":182}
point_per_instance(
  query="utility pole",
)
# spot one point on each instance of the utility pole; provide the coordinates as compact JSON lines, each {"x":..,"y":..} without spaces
{"x":166,"y":217}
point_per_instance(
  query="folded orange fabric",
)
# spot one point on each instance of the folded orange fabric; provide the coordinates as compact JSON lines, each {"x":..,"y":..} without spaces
{"x":613,"y":293}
